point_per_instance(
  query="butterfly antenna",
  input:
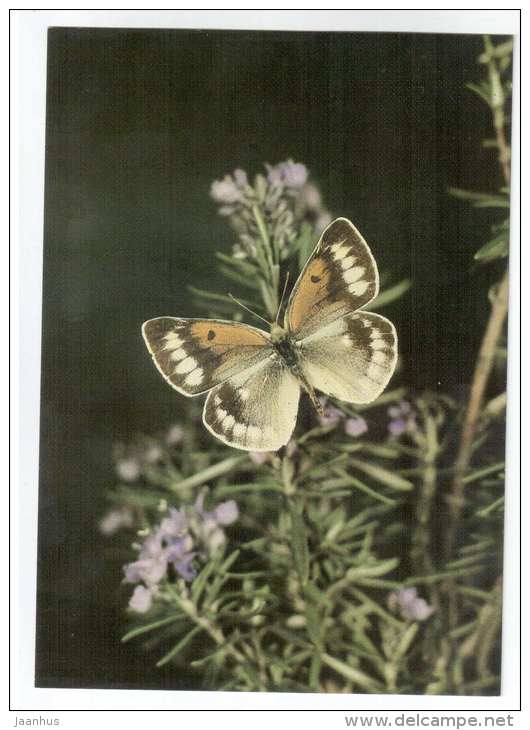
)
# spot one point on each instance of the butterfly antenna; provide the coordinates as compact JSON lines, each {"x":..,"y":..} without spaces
{"x":281,"y":299}
{"x":248,"y":310}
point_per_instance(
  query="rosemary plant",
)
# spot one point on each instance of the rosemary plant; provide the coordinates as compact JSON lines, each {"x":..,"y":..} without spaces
{"x":366,"y":555}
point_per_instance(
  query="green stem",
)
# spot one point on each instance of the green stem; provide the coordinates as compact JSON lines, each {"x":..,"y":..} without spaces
{"x":189,"y":608}
{"x":356,"y":676}
{"x":206,"y":475}
{"x":494,"y":327}
{"x":483,"y":472}
{"x":272,"y":272}
{"x":481,"y":375}
{"x":498,"y":100}
{"x":422,"y":537}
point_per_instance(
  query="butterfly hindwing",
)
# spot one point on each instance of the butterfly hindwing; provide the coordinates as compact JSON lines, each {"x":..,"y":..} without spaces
{"x":340,"y":277}
{"x":255,"y":410}
{"x":353,"y":358}
{"x":194,"y":355}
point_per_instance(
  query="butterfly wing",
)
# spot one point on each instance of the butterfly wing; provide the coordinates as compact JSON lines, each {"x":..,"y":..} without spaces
{"x":340,"y":277}
{"x":256,"y":409}
{"x":195,"y":355}
{"x":253,"y":398}
{"x":353,"y":358}
{"x":345,"y":353}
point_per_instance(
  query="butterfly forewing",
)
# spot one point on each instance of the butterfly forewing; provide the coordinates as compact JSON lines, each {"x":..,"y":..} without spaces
{"x":340,"y":277}
{"x":255,"y":410}
{"x":352,"y":358}
{"x":194,"y":355}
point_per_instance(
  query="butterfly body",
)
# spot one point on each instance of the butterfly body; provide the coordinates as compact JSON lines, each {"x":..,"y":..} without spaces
{"x":284,"y":345}
{"x":288,"y":350}
{"x":254,"y":378}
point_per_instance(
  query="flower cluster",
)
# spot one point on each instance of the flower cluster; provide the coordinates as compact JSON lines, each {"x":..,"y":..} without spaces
{"x":407,"y":603}
{"x":332,"y":416}
{"x":403,"y":418}
{"x":291,"y":178}
{"x":284,"y":197}
{"x":230,"y":191}
{"x":289,"y":175}
{"x":131,"y":460}
{"x":185,"y":535}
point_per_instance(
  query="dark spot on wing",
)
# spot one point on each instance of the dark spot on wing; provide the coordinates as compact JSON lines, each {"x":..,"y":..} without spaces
{"x":315,"y":279}
{"x":211,"y":335}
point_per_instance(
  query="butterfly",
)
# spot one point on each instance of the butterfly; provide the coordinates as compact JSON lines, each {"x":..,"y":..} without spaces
{"x":254,"y":378}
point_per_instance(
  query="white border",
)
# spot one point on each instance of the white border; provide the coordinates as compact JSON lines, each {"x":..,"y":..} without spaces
{"x":377,"y":21}
{"x":28,"y":88}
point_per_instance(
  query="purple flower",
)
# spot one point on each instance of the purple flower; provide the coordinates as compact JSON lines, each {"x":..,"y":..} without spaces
{"x":207,"y":528}
{"x":229,"y":191}
{"x":274,"y":175}
{"x":141,"y":600}
{"x":226,"y":512}
{"x":294,"y":174}
{"x":240,"y":176}
{"x":409,"y":605}
{"x":175,"y":525}
{"x":128,"y":469}
{"x":225,"y":191}
{"x":259,"y":457}
{"x":310,"y":198}
{"x":115,"y":520}
{"x":355,"y":426}
{"x":214,"y":539}
{"x":208,"y":525}
{"x":185,"y":568}
{"x":330,"y":415}
{"x":179,"y":538}
{"x":174,"y":435}
{"x":169,"y":544}
{"x":402,"y":409}
{"x":179,"y":553}
{"x":403,"y":418}
{"x":290,"y":174}
{"x":131,"y":460}
{"x":397,"y":427}
{"x":148,"y":570}
{"x":421,"y":610}
{"x":151,"y":565}
{"x":153,"y":454}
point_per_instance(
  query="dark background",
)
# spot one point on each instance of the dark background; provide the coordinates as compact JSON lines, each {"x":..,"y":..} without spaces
{"x":138,"y":125}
